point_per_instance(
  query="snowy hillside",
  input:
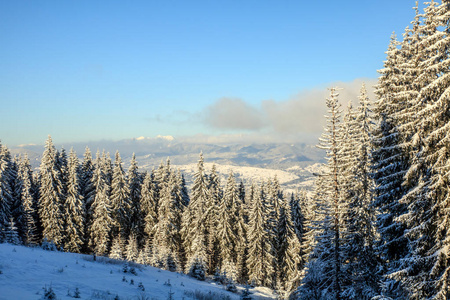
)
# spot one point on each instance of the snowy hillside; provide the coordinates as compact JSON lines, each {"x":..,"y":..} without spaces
{"x":290,"y":179}
{"x":25,"y":273}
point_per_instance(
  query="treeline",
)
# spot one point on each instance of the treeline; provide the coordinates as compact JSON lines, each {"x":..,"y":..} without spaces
{"x":251,"y":234}
{"x":383,"y":223}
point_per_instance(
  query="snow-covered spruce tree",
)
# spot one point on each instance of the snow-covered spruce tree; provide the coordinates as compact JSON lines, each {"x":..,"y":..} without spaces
{"x":120,"y":200}
{"x":16,"y":187}
{"x":227,"y":229}
{"x":299,"y":205}
{"x":29,"y":228}
{"x":11,"y":233}
{"x":134,"y":184}
{"x":212,"y":220}
{"x":51,"y":196}
{"x":74,"y":209}
{"x":116,"y":251}
{"x":425,"y":269}
{"x":148,"y":207}
{"x":181,"y":197}
{"x":194,"y":223}
{"x":260,"y":253}
{"x":241,"y":242}
{"x":131,"y":250}
{"x":389,"y":164}
{"x":289,"y":259}
{"x":328,"y":250}
{"x":167,"y":238}
{"x":272,"y":204}
{"x":87,"y":188}
{"x":101,"y":221}
{"x":6,"y":193}
{"x":361,"y":263}
{"x":437,"y":121}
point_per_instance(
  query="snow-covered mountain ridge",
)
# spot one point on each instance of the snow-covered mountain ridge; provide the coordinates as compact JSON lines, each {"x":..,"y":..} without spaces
{"x":25,"y":273}
{"x":292,"y":164}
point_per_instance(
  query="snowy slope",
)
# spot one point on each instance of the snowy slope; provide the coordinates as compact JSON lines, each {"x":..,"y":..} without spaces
{"x":25,"y":272}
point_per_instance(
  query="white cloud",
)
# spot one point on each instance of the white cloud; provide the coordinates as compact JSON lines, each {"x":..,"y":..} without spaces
{"x":301,"y":114}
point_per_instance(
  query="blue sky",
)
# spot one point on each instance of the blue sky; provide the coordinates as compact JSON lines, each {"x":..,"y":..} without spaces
{"x":91,"y":70}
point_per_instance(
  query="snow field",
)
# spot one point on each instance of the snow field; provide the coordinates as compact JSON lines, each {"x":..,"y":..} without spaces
{"x":25,"y":272}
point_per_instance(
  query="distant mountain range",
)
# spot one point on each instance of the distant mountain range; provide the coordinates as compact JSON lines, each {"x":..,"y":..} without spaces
{"x":293,"y":164}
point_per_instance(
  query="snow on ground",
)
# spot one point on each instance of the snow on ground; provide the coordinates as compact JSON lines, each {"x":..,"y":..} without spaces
{"x":25,"y":272}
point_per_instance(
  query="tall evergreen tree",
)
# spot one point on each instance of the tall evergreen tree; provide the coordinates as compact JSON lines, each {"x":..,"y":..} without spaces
{"x":194,"y":223}
{"x":134,"y":184}
{"x":6,"y":193}
{"x":260,"y":253}
{"x":290,"y":262}
{"x":120,"y":200}
{"x":389,"y":164}
{"x":74,"y":208}
{"x":359,"y":254}
{"x":328,"y":250}
{"x":148,"y":207}
{"x":29,"y":227}
{"x":424,"y":271}
{"x":212,"y":221}
{"x":51,"y":195}
{"x":87,"y":186}
{"x":101,"y":222}
{"x":227,"y":229}
{"x":167,"y":238}
{"x":302,"y":225}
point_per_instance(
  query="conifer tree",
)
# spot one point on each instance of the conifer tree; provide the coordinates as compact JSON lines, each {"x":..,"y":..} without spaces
{"x":167,"y":237}
{"x":51,"y":196}
{"x":11,"y":234}
{"x":87,"y":188}
{"x":120,"y":200}
{"x":194,"y":224}
{"x":359,"y":254}
{"x":212,"y":220}
{"x":116,"y":248}
{"x":389,"y":164}
{"x":74,"y":208}
{"x":6,"y":193}
{"x":302,"y":225}
{"x":260,"y":253}
{"x":101,"y":224}
{"x":227,"y":229}
{"x":328,"y":250}
{"x":148,"y":207}
{"x":16,"y":187}
{"x":273,"y":205}
{"x":241,"y":240}
{"x":291,"y":262}
{"x":424,"y":271}
{"x":132,"y":251}
{"x":134,"y":184}
{"x":29,"y":229}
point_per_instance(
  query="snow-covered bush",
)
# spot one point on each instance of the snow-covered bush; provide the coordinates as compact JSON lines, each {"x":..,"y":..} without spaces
{"x":49,"y":294}
{"x":49,"y":246}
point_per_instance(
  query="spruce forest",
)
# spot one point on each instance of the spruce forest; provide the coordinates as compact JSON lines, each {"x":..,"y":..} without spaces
{"x":377,"y":225}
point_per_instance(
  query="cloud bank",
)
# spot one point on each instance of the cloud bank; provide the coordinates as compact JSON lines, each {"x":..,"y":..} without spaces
{"x":301,"y":114}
